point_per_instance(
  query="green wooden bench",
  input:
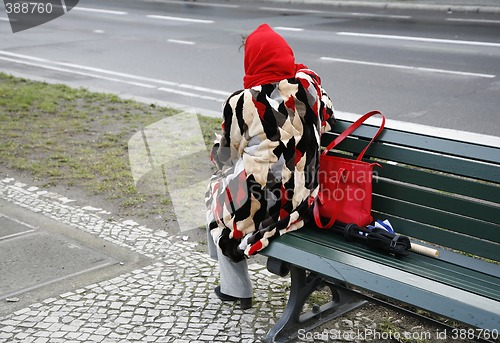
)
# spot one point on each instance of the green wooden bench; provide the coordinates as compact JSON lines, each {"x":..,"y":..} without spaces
{"x":443,"y":191}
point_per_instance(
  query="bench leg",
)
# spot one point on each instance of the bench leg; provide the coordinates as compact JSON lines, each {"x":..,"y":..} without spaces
{"x":303,"y":284}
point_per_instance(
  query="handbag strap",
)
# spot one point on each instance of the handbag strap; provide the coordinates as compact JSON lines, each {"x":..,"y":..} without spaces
{"x":352,"y":128}
{"x":317,"y":216}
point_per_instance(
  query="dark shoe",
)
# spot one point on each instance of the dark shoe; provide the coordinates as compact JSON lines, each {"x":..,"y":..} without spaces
{"x":222,"y":296}
{"x":245,"y":303}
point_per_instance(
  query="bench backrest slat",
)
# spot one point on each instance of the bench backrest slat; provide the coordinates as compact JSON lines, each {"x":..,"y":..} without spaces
{"x":450,"y":239}
{"x":440,"y":201}
{"x":422,"y":141}
{"x":422,"y":178}
{"x":425,"y":159}
{"x":439,"y":229}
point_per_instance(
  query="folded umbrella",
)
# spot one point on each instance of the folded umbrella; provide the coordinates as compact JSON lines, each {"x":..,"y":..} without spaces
{"x":416,"y":248}
{"x":376,"y":237}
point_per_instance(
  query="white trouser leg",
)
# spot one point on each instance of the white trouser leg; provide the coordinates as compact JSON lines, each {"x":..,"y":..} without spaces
{"x":234,"y":278}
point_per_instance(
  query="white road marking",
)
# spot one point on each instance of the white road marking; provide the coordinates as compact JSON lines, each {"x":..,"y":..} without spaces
{"x":4,"y":19}
{"x":481,"y":21}
{"x":291,"y":10}
{"x":190,"y":20}
{"x":63,"y":3}
{"x":418,"y":39}
{"x":204,"y":89}
{"x":373,"y":15}
{"x":284,"y":28}
{"x":176,"y":41}
{"x":206,"y":4}
{"x":398,"y":66}
{"x":189,"y":94}
{"x":355,"y":14}
{"x":31,"y":58}
{"x":96,"y":10}
{"x":77,"y":72}
{"x":145,"y":79}
{"x":98,"y":31}
{"x":146,"y":82}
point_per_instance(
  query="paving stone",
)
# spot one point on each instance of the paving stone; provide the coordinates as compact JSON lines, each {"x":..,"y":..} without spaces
{"x":95,"y":338}
{"x":4,"y":336}
{"x":21,"y":336}
{"x":73,"y":335}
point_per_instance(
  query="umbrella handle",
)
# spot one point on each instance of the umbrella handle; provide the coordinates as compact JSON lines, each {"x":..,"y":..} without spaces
{"x":420,"y":249}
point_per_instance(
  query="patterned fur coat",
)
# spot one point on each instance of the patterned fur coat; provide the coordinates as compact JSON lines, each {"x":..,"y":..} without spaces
{"x":268,"y":155}
{"x":268,"y":159}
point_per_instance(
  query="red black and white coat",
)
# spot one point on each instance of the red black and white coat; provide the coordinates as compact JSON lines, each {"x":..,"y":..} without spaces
{"x":267,"y":161}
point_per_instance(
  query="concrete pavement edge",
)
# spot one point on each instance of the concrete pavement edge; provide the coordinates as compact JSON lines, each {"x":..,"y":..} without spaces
{"x":424,"y":5}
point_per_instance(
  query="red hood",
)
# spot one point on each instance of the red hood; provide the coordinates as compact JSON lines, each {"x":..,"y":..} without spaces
{"x":268,"y":58}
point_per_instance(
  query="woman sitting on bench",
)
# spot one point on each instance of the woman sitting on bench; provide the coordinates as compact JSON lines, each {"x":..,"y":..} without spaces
{"x":267,"y":159}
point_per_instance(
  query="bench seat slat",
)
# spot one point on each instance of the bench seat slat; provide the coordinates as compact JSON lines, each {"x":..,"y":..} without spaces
{"x":418,"y":291}
{"x":449,"y":271}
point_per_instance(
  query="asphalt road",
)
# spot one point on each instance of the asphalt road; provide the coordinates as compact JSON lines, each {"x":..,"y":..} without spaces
{"x":439,"y":69}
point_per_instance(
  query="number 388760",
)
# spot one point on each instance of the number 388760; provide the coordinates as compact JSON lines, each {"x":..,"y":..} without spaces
{"x":28,"y":8}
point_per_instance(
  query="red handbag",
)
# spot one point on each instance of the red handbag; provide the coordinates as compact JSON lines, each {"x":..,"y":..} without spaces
{"x":345,"y":185}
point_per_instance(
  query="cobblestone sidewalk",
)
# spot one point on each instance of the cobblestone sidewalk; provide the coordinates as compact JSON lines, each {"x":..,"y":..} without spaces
{"x":170,"y":300}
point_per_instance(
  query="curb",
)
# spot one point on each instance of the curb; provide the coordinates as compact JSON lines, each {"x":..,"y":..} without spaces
{"x":406,"y":6}
{"x":396,"y":5}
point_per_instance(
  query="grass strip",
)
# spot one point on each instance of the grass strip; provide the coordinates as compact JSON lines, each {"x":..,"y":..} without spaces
{"x":69,"y":137}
